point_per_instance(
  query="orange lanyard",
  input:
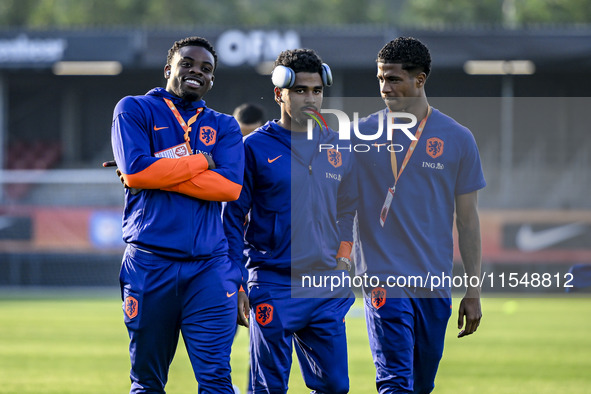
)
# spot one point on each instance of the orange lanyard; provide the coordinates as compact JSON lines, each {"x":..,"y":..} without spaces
{"x":409,"y":153}
{"x":186,"y":126}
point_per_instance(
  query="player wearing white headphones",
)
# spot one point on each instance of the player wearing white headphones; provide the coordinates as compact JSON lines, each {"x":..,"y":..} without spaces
{"x":301,"y":201}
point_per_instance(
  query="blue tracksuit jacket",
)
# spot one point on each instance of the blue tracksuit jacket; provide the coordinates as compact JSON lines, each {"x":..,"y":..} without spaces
{"x":178,"y":214}
{"x":301,"y":196}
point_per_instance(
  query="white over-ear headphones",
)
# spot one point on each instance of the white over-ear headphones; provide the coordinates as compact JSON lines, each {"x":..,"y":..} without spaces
{"x":284,"y":77}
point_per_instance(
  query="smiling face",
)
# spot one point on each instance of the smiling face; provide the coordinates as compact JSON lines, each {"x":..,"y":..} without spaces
{"x":304,"y":97}
{"x":191,"y":73}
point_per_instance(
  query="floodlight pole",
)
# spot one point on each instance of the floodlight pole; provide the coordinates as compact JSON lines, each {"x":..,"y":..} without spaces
{"x":507,"y":69}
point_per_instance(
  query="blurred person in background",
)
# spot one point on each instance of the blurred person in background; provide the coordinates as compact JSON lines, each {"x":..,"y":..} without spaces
{"x":178,"y":160}
{"x":409,"y":192}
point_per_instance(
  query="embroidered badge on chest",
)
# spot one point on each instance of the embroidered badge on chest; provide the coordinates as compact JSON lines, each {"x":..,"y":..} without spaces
{"x":334,"y":157}
{"x":207,"y":135}
{"x":434,"y":147}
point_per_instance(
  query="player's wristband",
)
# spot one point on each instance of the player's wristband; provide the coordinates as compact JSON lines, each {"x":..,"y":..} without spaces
{"x":241,"y":289}
{"x":345,"y":261}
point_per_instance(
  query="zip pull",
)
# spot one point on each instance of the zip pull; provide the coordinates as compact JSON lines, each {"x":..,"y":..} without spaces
{"x":310,"y":169}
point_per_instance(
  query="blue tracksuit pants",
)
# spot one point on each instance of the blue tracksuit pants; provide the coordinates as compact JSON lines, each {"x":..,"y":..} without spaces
{"x":162,"y":299}
{"x":317,"y":328}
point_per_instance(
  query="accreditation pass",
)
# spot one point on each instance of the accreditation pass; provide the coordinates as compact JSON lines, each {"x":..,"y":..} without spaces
{"x":387,"y":204}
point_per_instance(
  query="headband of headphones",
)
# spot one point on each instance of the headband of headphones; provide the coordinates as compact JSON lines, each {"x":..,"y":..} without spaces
{"x":284,"y":77}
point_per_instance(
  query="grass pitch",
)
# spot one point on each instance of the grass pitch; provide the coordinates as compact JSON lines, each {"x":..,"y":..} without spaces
{"x":65,"y":341}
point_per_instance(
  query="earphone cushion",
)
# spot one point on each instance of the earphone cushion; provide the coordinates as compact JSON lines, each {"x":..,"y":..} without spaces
{"x":283,"y":77}
{"x":326,"y":75}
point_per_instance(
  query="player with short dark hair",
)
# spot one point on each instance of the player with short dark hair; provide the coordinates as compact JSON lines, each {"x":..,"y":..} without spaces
{"x":179,"y":160}
{"x":408,"y":197}
{"x":249,"y":117}
{"x":301,"y":201}
{"x":411,"y":54}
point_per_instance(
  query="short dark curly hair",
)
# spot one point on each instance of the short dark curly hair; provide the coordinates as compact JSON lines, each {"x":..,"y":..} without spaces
{"x":408,"y":51}
{"x":300,"y":60}
{"x":248,"y":113}
{"x":192,"y":41}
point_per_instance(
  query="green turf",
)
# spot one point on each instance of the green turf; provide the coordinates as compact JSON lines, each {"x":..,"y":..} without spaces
{"x":75,"y":342}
